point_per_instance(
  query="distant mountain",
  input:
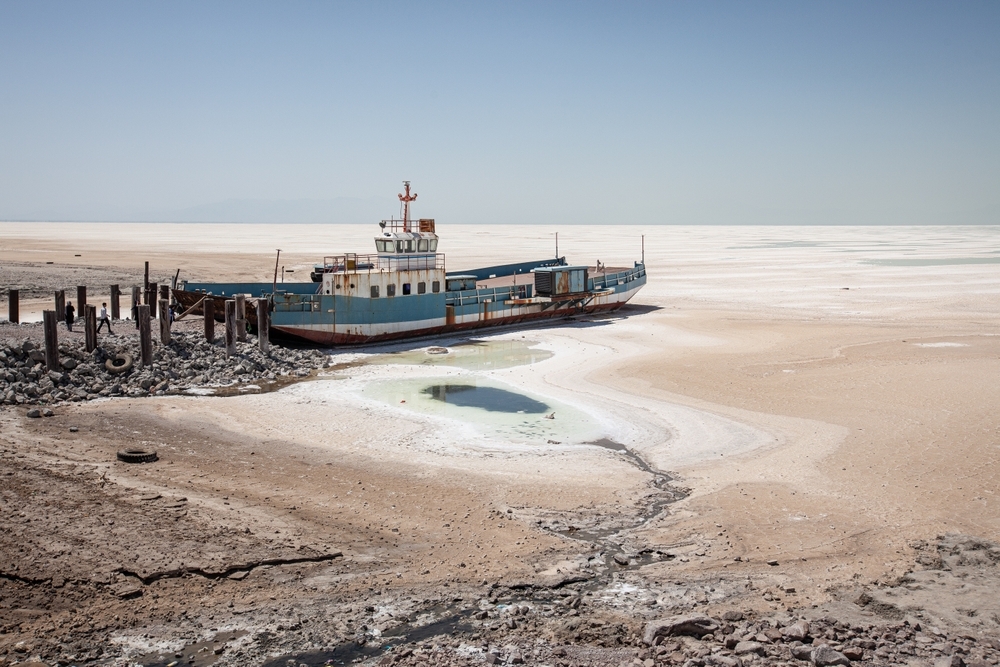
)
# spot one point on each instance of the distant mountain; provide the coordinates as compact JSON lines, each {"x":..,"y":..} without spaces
{"x":336,"y":211}
{"x":339,"y":210}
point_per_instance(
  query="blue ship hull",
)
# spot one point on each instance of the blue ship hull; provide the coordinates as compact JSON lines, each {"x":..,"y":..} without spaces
{"x":368,"y":303}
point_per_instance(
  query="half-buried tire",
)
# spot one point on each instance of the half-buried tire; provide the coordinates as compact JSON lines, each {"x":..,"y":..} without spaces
{"x":137,"y":455}
{"x":120,"y":363}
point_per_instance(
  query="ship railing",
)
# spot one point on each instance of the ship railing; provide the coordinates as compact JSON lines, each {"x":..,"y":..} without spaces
{"x":606,"y":280}
{"x":489,"y":294}
{"x":421,"y":225}
{"x":375,"y":263}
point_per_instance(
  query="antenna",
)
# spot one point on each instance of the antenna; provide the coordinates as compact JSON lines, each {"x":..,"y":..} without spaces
{"x":557,"y":245}
{"x":406,"y":205}
{"x":274,"y":285}
{"x":643,"y":237}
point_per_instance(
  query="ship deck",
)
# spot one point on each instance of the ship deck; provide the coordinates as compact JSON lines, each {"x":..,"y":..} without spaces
{"x":528,"y":279}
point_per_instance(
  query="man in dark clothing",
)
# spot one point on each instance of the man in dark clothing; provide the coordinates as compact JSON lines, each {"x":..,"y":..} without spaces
{"x":70,"y":315}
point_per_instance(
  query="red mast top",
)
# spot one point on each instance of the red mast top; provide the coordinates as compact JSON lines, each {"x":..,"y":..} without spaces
{"x":406,"y":199}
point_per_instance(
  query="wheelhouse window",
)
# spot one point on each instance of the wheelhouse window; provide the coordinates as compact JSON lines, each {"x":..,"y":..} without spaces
{"x":383,"y":245}
{"x":409,"y":245}
{"x":436,"y":286}
{"x":421,"y":288}
{"x":399,"y":246}
{"x":433,"y":245}
{"x":422,"y":245}
{"x":390,"y":289}
{"x":374,"y":291}
{"x":406,"y":288}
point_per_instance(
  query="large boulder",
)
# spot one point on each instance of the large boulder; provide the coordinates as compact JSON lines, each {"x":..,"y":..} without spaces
{"x":694,"y":626}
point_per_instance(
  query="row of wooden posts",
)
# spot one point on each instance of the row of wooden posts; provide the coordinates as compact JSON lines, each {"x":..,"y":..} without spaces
{"x":235,"y":321}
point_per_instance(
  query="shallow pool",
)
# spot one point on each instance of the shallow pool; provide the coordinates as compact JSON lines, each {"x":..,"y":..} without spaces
{"x":492,"y":408}
{"x":473,"y":355}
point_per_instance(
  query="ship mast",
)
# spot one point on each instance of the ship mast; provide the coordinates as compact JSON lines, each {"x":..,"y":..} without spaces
{"x":406,"y":199}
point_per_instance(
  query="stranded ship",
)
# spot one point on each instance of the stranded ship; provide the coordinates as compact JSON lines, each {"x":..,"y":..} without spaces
{"x":403,"y":290}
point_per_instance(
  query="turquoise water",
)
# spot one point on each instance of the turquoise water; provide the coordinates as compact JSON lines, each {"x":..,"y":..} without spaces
{"x":494,"y":409}
{"x":475,"y":355}
{"x":492,"y":399}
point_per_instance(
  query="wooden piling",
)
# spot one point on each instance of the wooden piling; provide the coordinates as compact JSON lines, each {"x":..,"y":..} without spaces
{"x":145,"y":279}
{"x":13,"y":307}
{"x":90,"y":327}
{"x":151,"y":293}
{"x":136,"y":300}
{"x":208,"y":307}
{"x":50,"y":324}
{"x":263,"y":326}
{"x":60,"y":305}
{"x":116,"y":311}
{"x":241,"y":318}
{"x":81,"y":299}
{"x":165,"y":292}
{"x":230,"y":327}
{"x":145,"y":337}
{"x":164,"y":321}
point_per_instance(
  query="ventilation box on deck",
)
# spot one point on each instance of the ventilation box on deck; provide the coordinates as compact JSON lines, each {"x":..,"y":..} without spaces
{"x":559,"y":280}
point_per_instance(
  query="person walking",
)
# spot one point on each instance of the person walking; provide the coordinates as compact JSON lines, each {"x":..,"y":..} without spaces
{"x":70,"y":315}
{"x":104,"y":319}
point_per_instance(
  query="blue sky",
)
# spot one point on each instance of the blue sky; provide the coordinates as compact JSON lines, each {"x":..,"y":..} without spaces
{"x":533,"y":112}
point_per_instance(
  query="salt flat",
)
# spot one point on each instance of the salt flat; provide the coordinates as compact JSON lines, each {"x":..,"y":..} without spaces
{"x":826,"y":395}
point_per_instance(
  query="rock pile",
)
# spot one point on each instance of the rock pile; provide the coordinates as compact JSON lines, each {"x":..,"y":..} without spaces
{"x":188,"y":362}
{"x":823,"y":642}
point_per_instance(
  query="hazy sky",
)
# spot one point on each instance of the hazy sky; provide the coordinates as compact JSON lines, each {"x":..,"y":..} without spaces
{"x":665,"y":112}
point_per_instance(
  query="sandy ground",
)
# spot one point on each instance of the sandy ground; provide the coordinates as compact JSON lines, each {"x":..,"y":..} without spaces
{"x":824,"y":399}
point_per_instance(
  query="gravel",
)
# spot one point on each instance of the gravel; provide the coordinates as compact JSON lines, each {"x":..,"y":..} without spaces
{"x":188,"y":364}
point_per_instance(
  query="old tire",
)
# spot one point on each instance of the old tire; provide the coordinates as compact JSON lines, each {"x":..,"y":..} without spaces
{"x":120,"y":363}
{"x":137,"y":456}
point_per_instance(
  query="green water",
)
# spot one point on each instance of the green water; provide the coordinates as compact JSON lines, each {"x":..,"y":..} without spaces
{"x":474,"y":355}
{"x":492,"y":408}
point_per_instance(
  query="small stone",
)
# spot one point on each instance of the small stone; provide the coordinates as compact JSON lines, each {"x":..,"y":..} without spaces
{"x":34,"y":413}
{"x":73,"y":429}
{"x":856,"y":653}
{"x":772,"y":563}
{"x":950,"y":661}
{"x":802,"y":652}
{"x":621,"y":559}
{"x":743,"y":648}
{"x":824,"y":656}
{"x":47,"y":412}
{"x":772,"y":635}
{"x":732,"y":616}
{"x":797,"y":631}
{"x":69,"y":364}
